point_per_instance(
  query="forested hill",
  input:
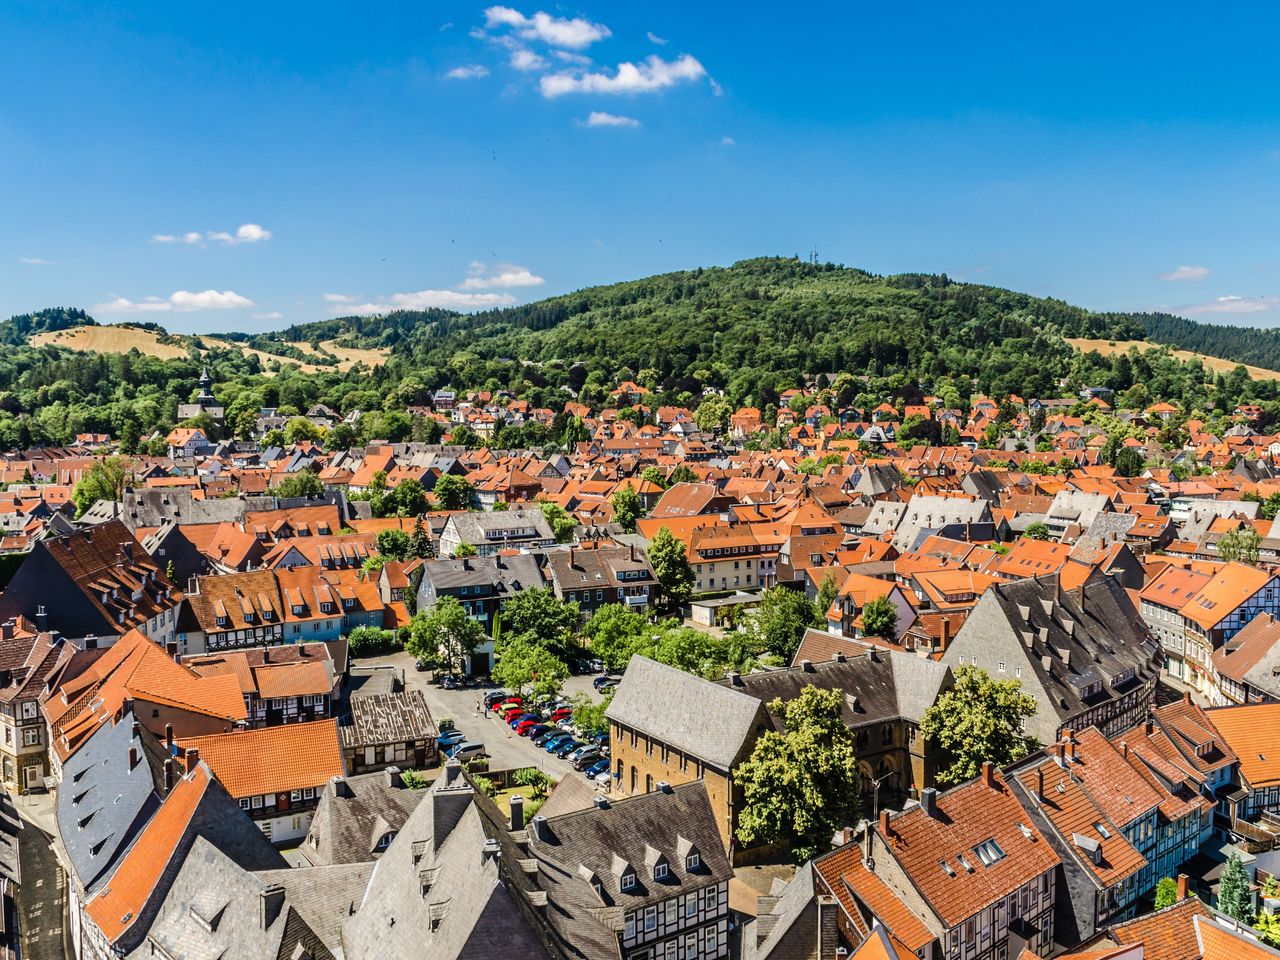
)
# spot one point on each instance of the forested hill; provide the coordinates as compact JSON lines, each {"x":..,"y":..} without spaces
{"x":1251,"y":345}
{"x":767,"y":316}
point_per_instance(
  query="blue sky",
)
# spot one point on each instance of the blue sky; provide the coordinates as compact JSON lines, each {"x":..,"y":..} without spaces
{"x":243,"y":166}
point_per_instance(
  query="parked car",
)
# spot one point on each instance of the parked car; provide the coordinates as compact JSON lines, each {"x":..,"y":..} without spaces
{"x":531,"y":728}
{"x":604,"y":682}
{"x":603,"y":779}
{"x":560,"y":713}
{"x":553,"y":744}
{"x":540,"y":740}
{"x":595,"y":665}
{"x":450,"y":682}
{"x":508,"y":702}
{"x":597,"y":768}
{"x":584,"y":757}
{"x":466,"y":750}
{"x":494,"y":696}
{"x":530,"y":717}
{"x":601,"y":739}
{"x":566,"y":748}
{"x":450,"y":739}
{"x":422,"y":665}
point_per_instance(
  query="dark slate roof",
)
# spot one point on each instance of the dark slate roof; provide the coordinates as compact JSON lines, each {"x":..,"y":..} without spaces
{"x":708,"y":721}
{"x":387,"y":718}
{"x":353,"y":813}
{"x":102,"y":803}
{"x":439,"y":868}
{"x":878,"y":685}
{"x":324,"y":897}
{"x":788,"y":928}
{"x":506,"y":576}
{"x":213,"y":910}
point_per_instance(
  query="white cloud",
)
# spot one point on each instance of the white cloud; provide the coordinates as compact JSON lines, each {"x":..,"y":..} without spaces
{"x":426,"y":299}
{"x":1233,"y":304}
{"x":654,"y":38}
{"x":1185,"y":273}
{"x":647,"y":77}
{"x":727,"y":141}
{"x":35,"y":261}
{"x":716,"y":88}
{"x":524,"y":59}
{"x":598,"y":118}
{"x":573,"y":33}
{"x":272,"y":315}
{"x":180,"y":301}
{"x":245,"y":233}
{"x":470,"y":72}
{"x":339,"y":298}
{"x":574,"y":58}
{"x":500,"y":276}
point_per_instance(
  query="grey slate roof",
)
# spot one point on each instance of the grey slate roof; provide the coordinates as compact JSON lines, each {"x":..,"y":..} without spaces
{"x":878,"y":685}
{"x":708,"y":721}
{"x":102,"y":803}
{"x":351,"y":811}
{"x":788,"y":929}
{"x":214,"y":910}
{"x":925,"y":514}
{"x":506,"y":576}
{"x":476,"y":528}
{"x":438,"y":892}
{"x":324,"y":897}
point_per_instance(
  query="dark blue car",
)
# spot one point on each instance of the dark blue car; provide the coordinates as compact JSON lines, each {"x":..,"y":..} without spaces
{"x":597,"y":768}
{"x":553,"y":745}
{"x":516,"y":721}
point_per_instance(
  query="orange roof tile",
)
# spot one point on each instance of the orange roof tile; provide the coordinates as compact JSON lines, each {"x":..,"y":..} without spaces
{"x":1250,"y":732}
{"x":272,"y":759}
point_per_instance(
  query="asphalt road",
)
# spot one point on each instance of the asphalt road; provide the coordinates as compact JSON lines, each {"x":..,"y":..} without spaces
{"x":506,"y":750}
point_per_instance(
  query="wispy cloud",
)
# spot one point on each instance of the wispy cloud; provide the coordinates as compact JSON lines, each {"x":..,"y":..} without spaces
{"x":425,"y":300}
{"x":470,"y":72}
{"x":727,"y":141}
{"x":1232,"y":304}
{"x":650,"y":76}
{"x":1185,"y":273}
{"x":35,"y":261}
{"x":575,"y":33}
{"x":499,"y":276}
{"x":654,"y":38}
{"x":526,"y":60}
{"x":339,"y":298}
{"x":598,"y":118}
{"x":180,"y":301}
{"x":272,"y":315}
{"x":245,"y":233}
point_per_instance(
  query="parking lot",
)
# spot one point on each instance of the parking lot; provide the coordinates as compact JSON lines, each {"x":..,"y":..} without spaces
{"x":505,"y":749}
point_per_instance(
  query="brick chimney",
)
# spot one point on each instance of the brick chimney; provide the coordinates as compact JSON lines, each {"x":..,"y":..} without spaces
{"x":168,"y":739}
{"x":989,"y":774}
{"x":192,"y":758}
{"x":1182,"y":886}
{"x":946,"y":633}
{"x":884,"y":824}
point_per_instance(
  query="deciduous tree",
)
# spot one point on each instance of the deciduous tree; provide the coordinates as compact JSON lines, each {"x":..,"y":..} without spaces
{"x":978,"y":719}
{"x":671,"y":568}
{"x":445,"y":631}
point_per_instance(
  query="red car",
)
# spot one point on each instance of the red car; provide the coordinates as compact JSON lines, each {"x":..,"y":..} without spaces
{"x":511,"y":713}
{"x":503,"y":705}
{"x":564,"y":713}
{"x":525,"y":726}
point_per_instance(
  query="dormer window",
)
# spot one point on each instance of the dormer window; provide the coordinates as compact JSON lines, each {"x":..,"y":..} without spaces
{"x":660,"y":871}
{"x":628,"y":881}
{"x":692,"y":862}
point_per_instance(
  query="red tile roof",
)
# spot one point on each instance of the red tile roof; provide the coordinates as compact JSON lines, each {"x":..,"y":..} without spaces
{"x":272,"y":759}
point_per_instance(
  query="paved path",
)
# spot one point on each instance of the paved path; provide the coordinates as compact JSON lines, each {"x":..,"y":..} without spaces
{"x":42,"y":896}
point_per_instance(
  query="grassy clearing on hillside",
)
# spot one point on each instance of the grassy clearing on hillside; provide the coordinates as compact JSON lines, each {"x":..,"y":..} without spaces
{"x":109,"y":339}
{"x":1110,"y":348}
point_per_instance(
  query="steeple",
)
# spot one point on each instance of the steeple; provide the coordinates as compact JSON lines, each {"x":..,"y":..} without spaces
{"x":205,"y":383}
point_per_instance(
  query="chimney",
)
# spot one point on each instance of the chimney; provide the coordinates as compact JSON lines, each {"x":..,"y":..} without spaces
{"x":664,"y":787}
{"x":633,"y":553}
{"x":1040,"y":783}
{"x":193,"y":760}
{"x":929,"y":802}
{"x":517,"y":812}
{"x":168,"y":775}
{"x":1149,"y":727}
{"x":6,"y":629}
{"x":1124,"y":749}
{"x":393,"y":776}
{"x":1182,"y":886}
{"x":989,"y":774}
{"x":42,"y":618}
{"x":340,"y":788}
{"x":168,"y":739}
{"x":270,"y":900}
{"x":884,"y":824}
{"x":136,"y":731}
{"x":946,"y":633}
{"x":735,"y":678}
{"x":133,"y":757}
{"x":1060,"y":753}
{"x":806,"y":666}
{"x":573,"y":557}
{"x":452,"y":769}
{"x":540,"y":829}
{"x":1186,"y":696}
{"x":1069,"y":738}
{"x":602,"y":803}
{"x":171,"y":648}
{"x":873,"y":655}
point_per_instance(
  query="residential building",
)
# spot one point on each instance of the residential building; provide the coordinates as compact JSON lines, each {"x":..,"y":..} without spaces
{"x":602,"y":575}
{"x":1249,"y":734}
{"x":292,"y":683}
{"x":357,"y":817}
{"x":1161,"y":602}
{"x":1222,"y":608}
{"x":1246,"y":668}
{"x":27,"y":659}
{"x":525,"y":529}
{"x":386,"y":729}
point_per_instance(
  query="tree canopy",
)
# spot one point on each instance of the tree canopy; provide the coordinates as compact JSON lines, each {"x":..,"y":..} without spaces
{"x":978,"y":719}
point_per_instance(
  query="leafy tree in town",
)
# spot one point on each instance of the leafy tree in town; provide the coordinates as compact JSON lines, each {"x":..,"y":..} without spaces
{"x":627,"y":508}
{"x":575,"y":432}
{"x":452,"y":492}
{"x":614,"y":632}
{"x":828,"y":590}
{"x":543,"y":619}
{"x":588,"y":714}
{"x":686,"y":648}
{"x":1037,"y":531}
{"x":880,"y":618}
{"x":410,"y":497}
{"x":781,"y":620}
{"x":105,"y":480}
{"x":560,"y":520}
{"x":800,"y":784}
{"x":464,"y":550}
{"x":682,"y":474}
{"x":1234,"y":898}
{"x":671,"y":567}
{"x":370,"y":641}
{"x":299,"y":429}
{"x":343,"y":436}
{"x":655,"y":476}
{"x":524,"y":664}
{"x":301,"y":483}
{"x":1166,"y":893}
{"x":394,"y":544}
{"x":1240,"y":545}
{"x":978,"y":719}
{"x":538,"y":783}
{"x":712,"y":415}
{"x":445,"y":631}
{"x":1129,"y":462}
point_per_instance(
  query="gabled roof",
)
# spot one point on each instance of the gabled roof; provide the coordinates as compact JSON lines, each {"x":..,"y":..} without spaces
{"x":272,"y":759}
{"x":711,"y":722}
{"x":1250,"y":732}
